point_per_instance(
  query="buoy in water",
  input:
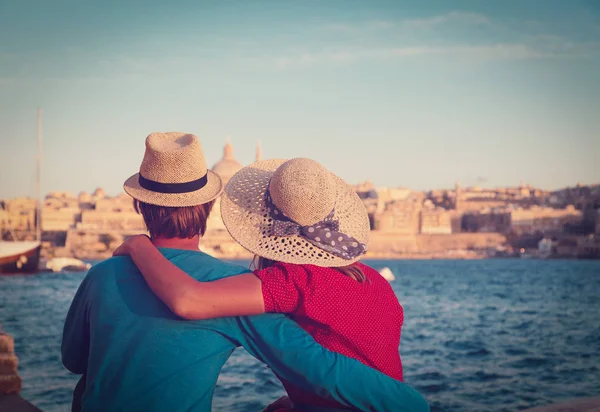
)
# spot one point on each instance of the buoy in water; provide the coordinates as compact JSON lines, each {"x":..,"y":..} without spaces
{"x":387,"y":274}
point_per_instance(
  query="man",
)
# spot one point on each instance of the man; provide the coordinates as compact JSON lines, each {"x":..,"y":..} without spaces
{"x":135,"y":355}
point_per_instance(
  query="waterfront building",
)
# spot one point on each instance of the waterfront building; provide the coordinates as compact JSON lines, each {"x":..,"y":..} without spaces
{"x":111,"y":221}
{"x":399,"y":216}
{"x":435,"y":221}
{"x":60,"y":212}
{"x":98,"y":194}
{"x":86,"y":201}
{"x":458,"y":196}
{"x":20,"y":214}
{"x":543,"y":219}
{"x":487,"y":221}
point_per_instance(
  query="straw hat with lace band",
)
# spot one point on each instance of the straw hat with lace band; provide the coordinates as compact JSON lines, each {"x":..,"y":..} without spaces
{"x":295,"y":211}
{"x":173,"y":173}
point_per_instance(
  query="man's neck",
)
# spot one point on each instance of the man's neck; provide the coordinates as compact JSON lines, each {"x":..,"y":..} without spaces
{"x":177,"y":243}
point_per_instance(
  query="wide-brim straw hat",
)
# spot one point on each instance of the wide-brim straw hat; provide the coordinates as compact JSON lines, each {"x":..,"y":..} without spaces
{"x":173,"y":173}
{"x":306,"y":193}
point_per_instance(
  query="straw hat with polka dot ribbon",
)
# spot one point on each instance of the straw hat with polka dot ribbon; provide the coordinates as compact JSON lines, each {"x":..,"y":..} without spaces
{"x":295,"y":211}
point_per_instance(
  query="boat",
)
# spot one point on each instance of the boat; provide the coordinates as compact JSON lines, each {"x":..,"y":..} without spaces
{"x":66,"y":264}
{"x":18,"y":256}
{"x":545,"y":248}
{"x":387,"y":274}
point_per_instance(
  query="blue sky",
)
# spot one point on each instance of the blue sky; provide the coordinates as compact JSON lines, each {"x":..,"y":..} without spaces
{"x":417,"y":94}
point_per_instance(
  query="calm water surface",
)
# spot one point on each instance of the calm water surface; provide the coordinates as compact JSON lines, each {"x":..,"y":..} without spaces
{"x":496,"y":335}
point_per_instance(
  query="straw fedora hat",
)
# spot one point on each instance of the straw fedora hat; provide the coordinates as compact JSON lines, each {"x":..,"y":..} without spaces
{"x":174,"y":173}
{"x":295,"y":211}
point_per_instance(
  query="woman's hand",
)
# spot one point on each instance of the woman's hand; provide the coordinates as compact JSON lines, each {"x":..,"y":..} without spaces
{"x":130,"y":244}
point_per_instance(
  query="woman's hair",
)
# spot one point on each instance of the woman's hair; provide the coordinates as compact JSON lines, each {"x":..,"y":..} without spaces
{"x":353,"y":270}
{"x":174,"y":222}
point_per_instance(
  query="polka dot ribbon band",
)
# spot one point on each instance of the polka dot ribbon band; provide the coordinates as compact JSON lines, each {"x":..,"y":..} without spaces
{"x":325,"y":234}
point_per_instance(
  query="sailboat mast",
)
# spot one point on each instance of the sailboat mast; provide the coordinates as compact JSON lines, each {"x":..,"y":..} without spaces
{"x":38,"y":217}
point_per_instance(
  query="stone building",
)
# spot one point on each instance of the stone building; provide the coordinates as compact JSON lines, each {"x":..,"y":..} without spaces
{"x":370,"y":198}
{"x":121,"y":203}
{"x":86,"y":201}
{"x":111,"y":221}
{"x":5,"y":226}
{"x":60,"y":212}
{"x":98,"y":194}
{"x":59,"y":219}
{"x":457,"y":196}
{"x":258,"y":152}
{"x":581,"y":196}
{"x":588,"y":247}
{"x":435,"y":221}
{"x":400,"y":216}
{"x":391,"y":194}
{"x":376,"y":201}
{"x":364,"y":186}
{"x":487,"y":221}
{"x":228,"y":165}
{"x":104,"y":227}
{"x":456,"y":220}
{"x":543,"y":219}
{"x":112,"y":214}
{"x":225,"y":168}
{"x":20,"y":214}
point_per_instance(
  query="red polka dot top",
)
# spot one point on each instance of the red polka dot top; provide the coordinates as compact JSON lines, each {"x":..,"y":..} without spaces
{"x":360,"y":320}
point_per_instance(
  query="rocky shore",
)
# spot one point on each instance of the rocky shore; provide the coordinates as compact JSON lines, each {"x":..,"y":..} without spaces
{"x":10,"y":381}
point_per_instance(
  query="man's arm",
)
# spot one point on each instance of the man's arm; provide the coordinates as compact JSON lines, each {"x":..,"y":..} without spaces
{"x":295,"y":356}
{"x":76,"y":331}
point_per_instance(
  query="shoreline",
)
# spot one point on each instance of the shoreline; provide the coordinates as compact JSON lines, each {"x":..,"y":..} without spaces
{"x":382,"y":245}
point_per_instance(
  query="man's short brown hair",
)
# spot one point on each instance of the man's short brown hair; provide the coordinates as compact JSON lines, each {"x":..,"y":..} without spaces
{"x":174,"y":222}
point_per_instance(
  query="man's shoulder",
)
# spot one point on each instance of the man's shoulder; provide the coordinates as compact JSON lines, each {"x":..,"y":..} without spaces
{"x":202,"y":265}
{"x":196,"y":263}
{"x":112,"y":265}
{"x":109,"y":268}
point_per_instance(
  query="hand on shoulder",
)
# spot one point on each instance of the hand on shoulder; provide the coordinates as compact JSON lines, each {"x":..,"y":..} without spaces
{"x":130,"y":244}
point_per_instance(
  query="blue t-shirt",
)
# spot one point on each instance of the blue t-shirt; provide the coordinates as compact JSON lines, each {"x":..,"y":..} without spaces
{"x":137,"y":356}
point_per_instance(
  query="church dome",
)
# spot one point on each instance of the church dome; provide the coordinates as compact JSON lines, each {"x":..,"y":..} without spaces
{"x":227,"y":166}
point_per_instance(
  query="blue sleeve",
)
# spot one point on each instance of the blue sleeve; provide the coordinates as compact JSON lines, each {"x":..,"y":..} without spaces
{"x":76,"y":332}
{"x":295,"y":356}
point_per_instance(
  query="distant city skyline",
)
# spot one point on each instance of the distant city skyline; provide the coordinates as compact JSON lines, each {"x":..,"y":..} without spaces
{"x":405,"y":94}
{"x":120,"y":192}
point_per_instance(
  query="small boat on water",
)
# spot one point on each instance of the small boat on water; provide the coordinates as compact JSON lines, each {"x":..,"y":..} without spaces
{"x":66,"y":264}
{"x":387,"y":274}
{"x":19,"y":257}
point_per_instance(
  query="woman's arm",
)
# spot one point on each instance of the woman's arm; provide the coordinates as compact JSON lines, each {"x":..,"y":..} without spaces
{"x":186,"y":297}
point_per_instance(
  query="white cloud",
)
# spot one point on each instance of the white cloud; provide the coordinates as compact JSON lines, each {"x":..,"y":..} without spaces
{"x":455,"y":17}
{"x":506,"y":51}
{"x":452,"y":17}
{"x":423,"y":36}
